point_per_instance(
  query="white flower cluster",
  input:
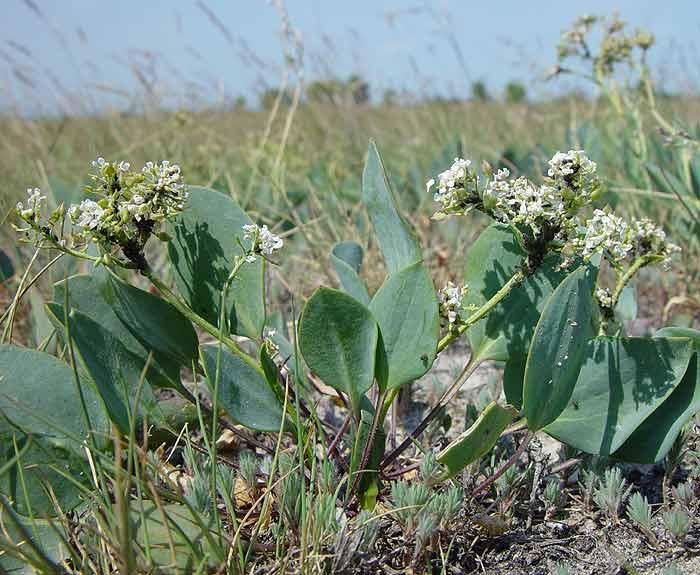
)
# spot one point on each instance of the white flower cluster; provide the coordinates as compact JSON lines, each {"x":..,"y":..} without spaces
{"x":86,"y":215}
{"x":130,"y":205}
{"x":605,"y":233}
{"x":612,"y":236}
{"x":546,"y":210}
{"x":548,"y":214}
{"x":450,"y":298}
{"x":573,"y":40}
{"x":648,"y":238}
{"x":522,"y":203}
{"x":575,"y":176}
{"x":604,"y":297}
{"x":263,"y":241}
{"x":453,"y":186}
{"x":31,"y":210}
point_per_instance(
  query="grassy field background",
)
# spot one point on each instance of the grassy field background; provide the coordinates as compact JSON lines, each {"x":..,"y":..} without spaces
{"x":298,"y":168}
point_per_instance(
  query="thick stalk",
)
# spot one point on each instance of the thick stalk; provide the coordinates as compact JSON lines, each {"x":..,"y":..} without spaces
{"x":484,"y":310}
{"x":638,"y":264}
{"x":184,"y":309}
{"x":377,"y":420}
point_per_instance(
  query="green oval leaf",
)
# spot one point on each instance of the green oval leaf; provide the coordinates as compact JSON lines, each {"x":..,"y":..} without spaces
{"x":490,"y":262}
{"x":91,"y":295}
{"x":346,"y":258}
{"x":396,"y":239}
{"x":202,"y":253}
{"x":338,"y":338}
{"x":622,"y":381}
{"x":672,"y":331}
{"x":115,"y":370}
{"x":558,"y":347}
{"x":478,"y":440}
{"x":243,"y":389}
{"x":177,"y":540}
{"x":155,"y":323}
{"x":653,"y":439}
{"x":407,"y":311}
{"x":44,"y":536}
{"x":7,"y":269}
{"x":43,"y":465}
{"x":513,"y":375}
{"x":38,"y":395}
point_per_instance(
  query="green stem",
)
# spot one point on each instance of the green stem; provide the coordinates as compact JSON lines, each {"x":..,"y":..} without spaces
{"x":377,"y":420}
{"x":638,"y":264}
{"x":484,"y":310}
{"x":172,"y":298}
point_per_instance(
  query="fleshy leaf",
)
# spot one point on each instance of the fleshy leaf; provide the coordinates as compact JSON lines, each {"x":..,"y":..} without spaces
{"x":478,"y":440}
{"x":396,"y":239}
{"x":244,"y":392}
{"x":202,"y":252}
{"x":92,"y":295}
{"x":622,"y":381}
{"x":346,"y":258}
{"x":115,"y":370}
{"x":491,"y":261}
{"x":155,"y":323}
{"x":338,"y":338}
{"x":406,"y":309}
{"x":558,"y":347}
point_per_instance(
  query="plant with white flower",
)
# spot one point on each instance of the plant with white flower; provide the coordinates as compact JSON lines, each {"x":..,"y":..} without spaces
{"x":450,"y":298}
{"x":31,"y":210}
{"x":604,"y":233}
{"x":35,"y":222}
{"x":123,"y":211}
{"x":545,"y":215}
{"x":617,"y":46}
{"x":605,"y":299}
{"x":575,"y":177}
{"x":262,"y":241}
{"x":129,"y":207}
{"x":457,"y":189}
{"x":648,"y":239}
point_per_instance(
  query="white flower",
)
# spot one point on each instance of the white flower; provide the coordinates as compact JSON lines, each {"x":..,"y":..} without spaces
{"x":651,"y":239}
{"x":269,"y":242}
{"x":604,"y":297}
{"x":89,"y":214}
{"x":124,"y":166}
{"x":450,"y":298}
{"x":263,"y":240}
{"x":138,"y":208}
{"x":604,"y":232}
{"x":575,"y":175}
{"x":521,"y":202}
{"x":99,"y":162}
{"x":32,"y":208}
{"x":449,"y":182}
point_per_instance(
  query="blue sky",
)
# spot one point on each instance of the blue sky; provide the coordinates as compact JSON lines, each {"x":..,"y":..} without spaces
{"x":58,"y":54}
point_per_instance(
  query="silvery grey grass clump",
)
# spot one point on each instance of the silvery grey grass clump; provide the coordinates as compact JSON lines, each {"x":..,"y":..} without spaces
{"x":612,"y":493}
{"x":639,"y":512}
{"x":677,"y":523}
